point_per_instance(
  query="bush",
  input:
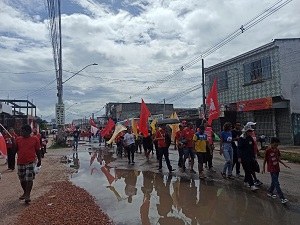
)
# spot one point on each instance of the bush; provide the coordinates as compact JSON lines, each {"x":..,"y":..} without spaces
{"x":56,"y":145}
{"x":288,"y":156}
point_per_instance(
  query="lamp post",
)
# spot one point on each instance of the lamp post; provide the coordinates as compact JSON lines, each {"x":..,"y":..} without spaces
{"x":74,"y":74}
{"x":71,"y":106}
{"x":60,"y":109}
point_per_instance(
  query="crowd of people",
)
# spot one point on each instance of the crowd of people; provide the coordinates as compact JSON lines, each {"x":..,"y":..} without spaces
{"x":238,"y":145}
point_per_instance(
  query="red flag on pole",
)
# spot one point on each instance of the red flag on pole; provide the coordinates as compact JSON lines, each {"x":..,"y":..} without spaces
{"x":92,"y":123}
{"x":3,"y":148}
{"x":107,"y":129}
{"x":212,"y":103}
{"x":145,"y":113}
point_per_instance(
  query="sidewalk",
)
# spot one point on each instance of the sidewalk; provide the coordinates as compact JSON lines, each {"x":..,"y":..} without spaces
{"x":289,"y":178}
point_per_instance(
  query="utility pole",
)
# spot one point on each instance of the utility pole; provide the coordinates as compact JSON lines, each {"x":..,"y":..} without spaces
{"x":60,"y":109}
{"x":203,"y":89}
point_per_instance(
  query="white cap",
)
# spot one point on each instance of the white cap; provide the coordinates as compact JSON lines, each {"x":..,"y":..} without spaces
{"x":247,"y":128}
{"x":250,"y":124}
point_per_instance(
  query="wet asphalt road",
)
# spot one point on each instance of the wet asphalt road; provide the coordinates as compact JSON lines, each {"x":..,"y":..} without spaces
{"x":139,"y":194}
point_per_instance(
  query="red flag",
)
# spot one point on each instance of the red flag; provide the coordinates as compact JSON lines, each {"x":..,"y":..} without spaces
{"x":145,"y":113}
{"x":107,"y":129}
{"x":212,"y":103}
{"x":92,"y":123}
{"x":3,"y":148}
{"x":110,"y":178}
{"x":72,"y":128}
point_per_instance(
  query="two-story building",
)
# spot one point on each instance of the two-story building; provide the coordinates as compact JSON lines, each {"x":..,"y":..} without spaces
{"x":262,"y":85}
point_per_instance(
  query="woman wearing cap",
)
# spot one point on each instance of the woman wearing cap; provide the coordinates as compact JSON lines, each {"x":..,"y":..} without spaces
{"x":246,"y":155}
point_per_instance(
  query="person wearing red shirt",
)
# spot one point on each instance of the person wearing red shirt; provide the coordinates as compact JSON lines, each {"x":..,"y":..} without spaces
{"x":188,"y":150}
{"x":163,"y":148}
{"x":179,"y":145}
{"x":10,"y":139}
{"x":272,"y":158}
{"x":28,"y":150}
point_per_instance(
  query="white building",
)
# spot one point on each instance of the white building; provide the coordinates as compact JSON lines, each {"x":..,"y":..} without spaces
{"x":262,"y":85}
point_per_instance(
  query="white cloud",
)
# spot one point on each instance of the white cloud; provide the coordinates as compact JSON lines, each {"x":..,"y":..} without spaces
{"x":135,"y":44}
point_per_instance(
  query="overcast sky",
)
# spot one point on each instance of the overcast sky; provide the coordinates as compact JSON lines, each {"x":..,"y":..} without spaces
{"x":136,"y":44}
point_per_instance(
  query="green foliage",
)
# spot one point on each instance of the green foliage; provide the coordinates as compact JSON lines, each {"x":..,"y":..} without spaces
{"x":58,"y":145}
{"x":292,"y":157}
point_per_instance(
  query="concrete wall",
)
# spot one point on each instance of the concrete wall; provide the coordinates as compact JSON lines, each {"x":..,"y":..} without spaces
{"x":237,"y":91}
{"x":289,"y":60}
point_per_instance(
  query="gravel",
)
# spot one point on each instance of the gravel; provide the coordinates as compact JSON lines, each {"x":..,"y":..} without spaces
{"x":64,"y":204}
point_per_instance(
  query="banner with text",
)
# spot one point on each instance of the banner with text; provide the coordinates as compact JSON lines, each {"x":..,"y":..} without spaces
{"x":255,"y":104}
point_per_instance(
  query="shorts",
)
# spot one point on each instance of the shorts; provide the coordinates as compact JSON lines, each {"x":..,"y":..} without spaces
{"x":26,"y":172}
{"x":188,"y":152}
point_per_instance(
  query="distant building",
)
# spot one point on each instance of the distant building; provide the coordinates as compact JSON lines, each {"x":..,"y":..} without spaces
{"x":82,"y":123}
{"x":123,"y":111}
{"x":16,"y":113}
{"x":262,"y":85}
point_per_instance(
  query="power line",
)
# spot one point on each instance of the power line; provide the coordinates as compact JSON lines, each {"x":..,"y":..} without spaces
{"x":25,"y":72}
{"x":39,"y":89}
{"x":257,"y":19}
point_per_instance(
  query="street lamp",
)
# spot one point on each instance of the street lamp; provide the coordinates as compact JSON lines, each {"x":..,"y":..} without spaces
{"x":71,"y":106}
{"x":93,"y":64}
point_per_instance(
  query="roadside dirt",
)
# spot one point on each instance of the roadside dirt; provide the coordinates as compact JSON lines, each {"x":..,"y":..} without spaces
{"x":54,"y":199}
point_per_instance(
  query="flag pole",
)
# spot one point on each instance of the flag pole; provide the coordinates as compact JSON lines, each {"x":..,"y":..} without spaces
{"x":203,"y":89}
{"x":5,"y":130}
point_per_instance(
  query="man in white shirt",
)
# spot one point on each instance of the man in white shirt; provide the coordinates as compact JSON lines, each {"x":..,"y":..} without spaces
{"x":129,"y":143}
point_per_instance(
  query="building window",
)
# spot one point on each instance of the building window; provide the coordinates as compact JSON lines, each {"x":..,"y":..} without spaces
{"x":257,"y":71}
{"x":222,"y":80}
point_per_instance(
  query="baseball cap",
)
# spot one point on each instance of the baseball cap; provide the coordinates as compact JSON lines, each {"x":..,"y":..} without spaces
{"x":247,"y":128}
{"x":250,"y":124}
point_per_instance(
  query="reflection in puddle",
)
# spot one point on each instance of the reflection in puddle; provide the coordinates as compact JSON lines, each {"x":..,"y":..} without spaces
{"x":145,"y":197}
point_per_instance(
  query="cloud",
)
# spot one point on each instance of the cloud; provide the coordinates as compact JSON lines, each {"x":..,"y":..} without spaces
{"x":136,"y":44}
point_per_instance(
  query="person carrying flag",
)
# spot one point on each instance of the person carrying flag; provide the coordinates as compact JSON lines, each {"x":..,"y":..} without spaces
{"x":10,"y":138}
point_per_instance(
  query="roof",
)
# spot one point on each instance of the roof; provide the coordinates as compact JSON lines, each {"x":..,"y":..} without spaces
{"x":247,"y":54}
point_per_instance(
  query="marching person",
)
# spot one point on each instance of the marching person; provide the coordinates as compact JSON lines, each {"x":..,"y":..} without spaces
{"x":129,"y":143}
{"x":10,"y":139}
{"x":257,"y":182}
{"x":28,"y":150}
{"x":246,"y":155}
{"x":148,"y":144}
{"x":210,"y":147}
{"x":201,"y":143}
{"x":226,"y":150}
{"x":236,"y":133}
{"x":272,"y":159}
{"x":76,"y":136}
{"x":188,"y":134}
{"x":179,"y":145}
{"x":163,"y":148}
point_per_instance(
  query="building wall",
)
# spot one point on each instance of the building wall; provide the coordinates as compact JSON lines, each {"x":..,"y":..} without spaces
{"x":237,"y":91}
{"x":284,"y":126}
{"x":289,"y":60}
{"x":283,"y":86}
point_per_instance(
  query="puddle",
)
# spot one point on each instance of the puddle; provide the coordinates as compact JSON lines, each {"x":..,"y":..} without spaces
{"x":143,"y":197}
